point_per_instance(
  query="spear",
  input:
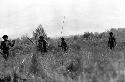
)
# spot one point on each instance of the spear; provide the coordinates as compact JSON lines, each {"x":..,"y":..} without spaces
{"x":30,"y":40}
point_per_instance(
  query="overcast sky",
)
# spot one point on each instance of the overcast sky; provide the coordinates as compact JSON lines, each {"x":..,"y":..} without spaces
{"x":19,"y":17}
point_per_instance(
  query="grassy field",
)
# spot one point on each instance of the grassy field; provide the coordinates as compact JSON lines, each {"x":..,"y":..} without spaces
{"x":87,"y":60}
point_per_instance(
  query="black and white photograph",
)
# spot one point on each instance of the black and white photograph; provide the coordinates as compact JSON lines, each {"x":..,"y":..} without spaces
{"x":62,"y":40}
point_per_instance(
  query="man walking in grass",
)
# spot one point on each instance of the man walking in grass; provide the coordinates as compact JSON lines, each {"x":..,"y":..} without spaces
{"x":42,"y":44}
{"x":63,"y":44}
{"x":5,"y":46}
{"x":112,"y":41}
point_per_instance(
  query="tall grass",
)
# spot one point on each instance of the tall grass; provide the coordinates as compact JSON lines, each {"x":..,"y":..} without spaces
{"x":88,"y":59}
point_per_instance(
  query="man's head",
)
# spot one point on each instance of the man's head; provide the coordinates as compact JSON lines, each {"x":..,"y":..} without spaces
{"x":111,"y":33}
{"x":41,"y":37}
{"x":5,"y":37}
{"x":62,"y":39}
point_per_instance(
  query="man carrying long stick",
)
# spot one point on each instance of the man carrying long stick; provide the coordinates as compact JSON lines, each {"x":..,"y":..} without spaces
{"x":5,"y":46}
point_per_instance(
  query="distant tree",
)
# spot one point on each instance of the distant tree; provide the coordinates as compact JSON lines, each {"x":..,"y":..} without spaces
{"x":39,"y":32}
{"x":114,"y":30}
{"x":86,"y":35}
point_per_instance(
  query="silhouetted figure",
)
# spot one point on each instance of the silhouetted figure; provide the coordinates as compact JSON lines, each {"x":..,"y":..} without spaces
{"x":42,"y":44}
{"x":5,"y":46}
{"x":63,"y":44}
{"x":112,"y":41}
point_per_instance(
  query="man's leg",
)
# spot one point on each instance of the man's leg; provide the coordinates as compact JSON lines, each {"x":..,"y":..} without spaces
{"x":5,"y":58}
{"x":5,"y":54}
{"x":112,"y":45}
{"x":45,"y":50}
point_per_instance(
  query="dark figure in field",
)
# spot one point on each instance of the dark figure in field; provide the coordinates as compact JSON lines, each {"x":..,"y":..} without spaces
{"x":63,"y":44}
{"x":112,"y":41}
{"x":42,"y":44}
{"x":5,"y":46}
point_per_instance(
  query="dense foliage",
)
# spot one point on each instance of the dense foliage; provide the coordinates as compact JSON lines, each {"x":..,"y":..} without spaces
{"x":88,"y":58}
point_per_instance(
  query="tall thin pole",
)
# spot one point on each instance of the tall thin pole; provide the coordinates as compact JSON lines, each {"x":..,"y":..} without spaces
{"x":63,"y":22}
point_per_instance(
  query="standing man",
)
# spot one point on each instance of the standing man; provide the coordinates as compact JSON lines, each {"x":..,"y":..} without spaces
{"x":63,"y":44}
{"x":112,"y":41}
{"x":42,"y":44}
{"x":5,"y":46}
